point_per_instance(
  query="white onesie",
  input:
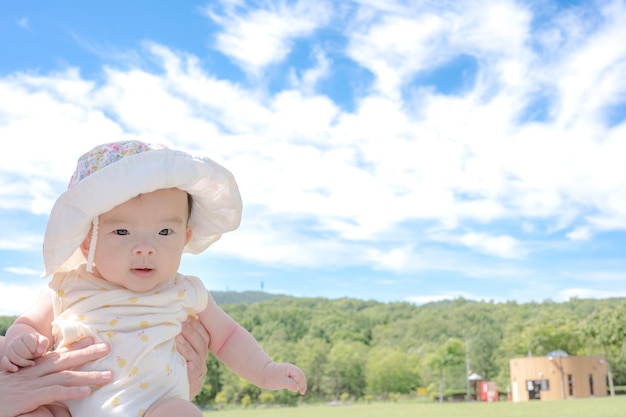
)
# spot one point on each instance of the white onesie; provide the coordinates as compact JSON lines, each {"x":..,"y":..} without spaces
{"x":140,"y":327}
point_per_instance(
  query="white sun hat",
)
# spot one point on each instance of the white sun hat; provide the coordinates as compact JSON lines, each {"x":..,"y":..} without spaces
{"x":113,"y":173}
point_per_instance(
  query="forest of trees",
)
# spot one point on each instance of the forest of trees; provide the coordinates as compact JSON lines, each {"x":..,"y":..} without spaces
{"x":360,"y":350}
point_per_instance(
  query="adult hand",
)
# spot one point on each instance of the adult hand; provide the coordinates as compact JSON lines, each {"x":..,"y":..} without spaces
{"x":193,"y":344}
{"x":52,"y":379}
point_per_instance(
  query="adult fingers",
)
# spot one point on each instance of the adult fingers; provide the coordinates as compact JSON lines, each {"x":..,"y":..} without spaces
{"x":195,"y":382}
{"x":82,"y":343}
{"x":27,"y":392}
{"x":193,"y":344}
{"x":196,"y":366}
{"x":46,"y":395}
{"x":73,"y":379}
{"x":196,"y":335}
{"x":57,"y":361}
{"x":50,"y":394}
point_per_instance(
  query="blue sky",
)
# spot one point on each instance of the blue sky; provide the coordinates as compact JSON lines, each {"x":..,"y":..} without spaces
{"x":387,"y":150}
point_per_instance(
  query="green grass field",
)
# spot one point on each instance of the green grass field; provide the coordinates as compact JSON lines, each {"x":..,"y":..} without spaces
{"x":591,"y":407}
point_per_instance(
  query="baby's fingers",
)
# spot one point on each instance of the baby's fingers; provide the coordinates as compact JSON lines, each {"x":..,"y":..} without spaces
{"x":12,"y":362}
{"x":27,"y":347}
{"x":42,"y":346}
{"x":31,"y":346}
{"x":297,"y":379}
{"x":302,"y":387}
{"x":300,"y":381}
{"x":294,"y":385}
{"x":7,"y":365}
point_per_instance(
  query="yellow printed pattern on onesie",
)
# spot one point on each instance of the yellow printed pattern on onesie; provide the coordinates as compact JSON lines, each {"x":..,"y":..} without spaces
{"x":140,"y":329}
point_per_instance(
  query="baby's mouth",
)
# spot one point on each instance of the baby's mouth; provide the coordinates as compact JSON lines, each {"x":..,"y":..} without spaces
{"x":143,"y":272}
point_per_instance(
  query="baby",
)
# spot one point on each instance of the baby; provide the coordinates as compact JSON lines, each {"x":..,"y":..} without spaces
{"x":113,"y":244}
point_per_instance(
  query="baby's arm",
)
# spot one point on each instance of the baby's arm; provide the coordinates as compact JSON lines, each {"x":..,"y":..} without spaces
{"x":243,"y":355}
{"x":29,"y":336}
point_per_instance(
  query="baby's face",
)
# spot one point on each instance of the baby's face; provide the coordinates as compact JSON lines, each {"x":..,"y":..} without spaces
{"x":140,"y":242}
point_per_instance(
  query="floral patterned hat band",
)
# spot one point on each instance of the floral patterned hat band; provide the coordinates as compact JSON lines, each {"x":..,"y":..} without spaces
{"x":106,"y":154}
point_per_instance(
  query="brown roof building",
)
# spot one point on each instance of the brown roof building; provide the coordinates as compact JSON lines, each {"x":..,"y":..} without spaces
{"x":557,"y":376}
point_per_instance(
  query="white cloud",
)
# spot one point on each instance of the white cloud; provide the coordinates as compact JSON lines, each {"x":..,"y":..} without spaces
{"x":580,"y":233}
{"x":396,"y":259}
{"x":587,"y":293}
{"x":590,"y":74}
{"x":603,"y":276}
{"x":49,"y":122}
{"x":398,"y":43}
{"x":264,"y":36}
{"x":502,"y":246}
{"x":20,"y":241}
{"x":450,"y":295}
{"x":309,"y":78}
{"x":396,"y":167}
{"x":16,"y":298}
{"x":23,"y":271}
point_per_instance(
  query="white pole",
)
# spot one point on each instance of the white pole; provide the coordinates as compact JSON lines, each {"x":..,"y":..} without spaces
{"x":467,"y":370}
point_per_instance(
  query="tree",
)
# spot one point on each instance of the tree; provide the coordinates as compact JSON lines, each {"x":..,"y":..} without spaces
{"x":446,"y":358}
{"x":346,"y":369}
{"x":312,"y":359}
{"x":391,"y":370}
{"x":605,"y":333}
{"x":212,"y":381}
{"x":482,"y":327}
{"x":267,"y":397}
{"x":5,"y":323}
{"x":549,"y":336}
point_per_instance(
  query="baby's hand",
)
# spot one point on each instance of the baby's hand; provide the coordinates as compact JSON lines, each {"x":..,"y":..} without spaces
{"x":286,"y":376}
{"x":21,"y":351}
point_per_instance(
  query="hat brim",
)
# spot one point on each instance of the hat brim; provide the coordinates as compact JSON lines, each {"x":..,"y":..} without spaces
{"x":216,"y":200}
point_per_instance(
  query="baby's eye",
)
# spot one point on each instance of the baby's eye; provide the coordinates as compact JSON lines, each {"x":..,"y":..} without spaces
{"x":166,"y":232}
{"x":121,"y":232}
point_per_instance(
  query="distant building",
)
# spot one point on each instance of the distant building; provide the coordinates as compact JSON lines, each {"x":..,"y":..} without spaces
{"x":557,"y":376}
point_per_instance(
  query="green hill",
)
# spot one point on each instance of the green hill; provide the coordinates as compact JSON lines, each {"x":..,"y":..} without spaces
{"x":357,"y":348}
{"x":250,"y":297}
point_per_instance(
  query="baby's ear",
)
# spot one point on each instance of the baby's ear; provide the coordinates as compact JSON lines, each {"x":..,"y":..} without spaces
{"x":188,"y":234}
{"x":84,"y":246}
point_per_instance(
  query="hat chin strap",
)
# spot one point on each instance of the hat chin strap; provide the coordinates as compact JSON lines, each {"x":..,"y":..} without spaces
{"x":92,"y":246}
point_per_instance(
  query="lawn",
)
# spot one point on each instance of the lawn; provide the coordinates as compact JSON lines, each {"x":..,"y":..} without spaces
{"x":588,"y":407}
